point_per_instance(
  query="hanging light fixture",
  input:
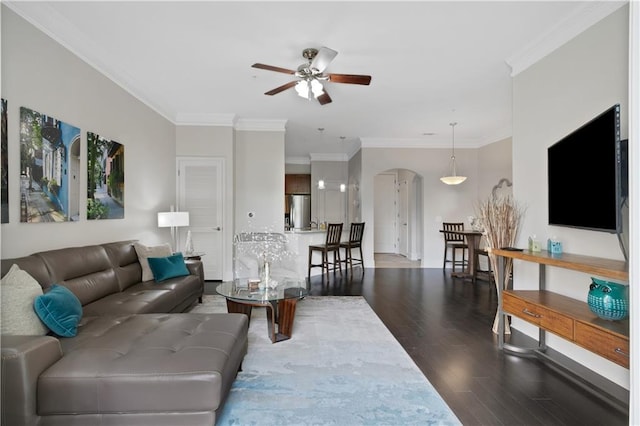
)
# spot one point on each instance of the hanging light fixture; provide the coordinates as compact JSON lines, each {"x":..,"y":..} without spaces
{"x":453,"y":178}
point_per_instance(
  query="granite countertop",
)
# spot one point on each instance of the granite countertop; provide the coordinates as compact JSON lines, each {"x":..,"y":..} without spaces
{"x":306,"y":231}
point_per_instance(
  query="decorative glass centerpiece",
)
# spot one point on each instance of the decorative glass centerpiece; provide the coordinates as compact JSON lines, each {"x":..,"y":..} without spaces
{"x":261,"y":255}
{"x":608,"y":300}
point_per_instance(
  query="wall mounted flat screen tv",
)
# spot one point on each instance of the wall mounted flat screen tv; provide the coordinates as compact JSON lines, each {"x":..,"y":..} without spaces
{"x":585,"y":176}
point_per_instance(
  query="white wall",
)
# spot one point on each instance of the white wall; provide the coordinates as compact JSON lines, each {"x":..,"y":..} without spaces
{"x":40,"y":74}
{"x":552,"y":98}
{"x":634,"y":178}
{"x":259,"y":181}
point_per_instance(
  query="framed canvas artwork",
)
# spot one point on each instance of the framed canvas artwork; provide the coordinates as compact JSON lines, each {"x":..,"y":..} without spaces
{"x":105,"y":178}
{"x":49,"y":169}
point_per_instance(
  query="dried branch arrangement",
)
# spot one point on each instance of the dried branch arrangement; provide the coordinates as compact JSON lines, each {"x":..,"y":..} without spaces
{"x":501,"y":218}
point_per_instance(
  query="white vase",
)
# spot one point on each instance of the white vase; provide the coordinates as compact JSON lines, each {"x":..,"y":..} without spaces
{"x":188,"y":247}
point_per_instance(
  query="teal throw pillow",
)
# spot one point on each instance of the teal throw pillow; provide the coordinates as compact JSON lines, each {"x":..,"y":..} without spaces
{"x":60,"y":310}
{"x":164,"y":268}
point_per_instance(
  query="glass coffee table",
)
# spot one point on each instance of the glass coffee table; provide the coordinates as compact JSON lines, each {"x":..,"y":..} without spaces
{"x":280,"y":302}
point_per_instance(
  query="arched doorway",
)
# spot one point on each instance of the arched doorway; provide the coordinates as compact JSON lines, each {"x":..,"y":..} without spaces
{"x":398,"y":218}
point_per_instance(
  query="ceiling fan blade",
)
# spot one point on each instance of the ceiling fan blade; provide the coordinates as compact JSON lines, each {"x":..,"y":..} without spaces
{"x":282,"y":88}
{"x":323,"y":58}
{"x":324,"y":98}
{"x":272,"y":68}
{"x":350,"y":79}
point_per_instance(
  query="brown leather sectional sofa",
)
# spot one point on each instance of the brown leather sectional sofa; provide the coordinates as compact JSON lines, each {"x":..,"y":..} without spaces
{"x":136,"y":360}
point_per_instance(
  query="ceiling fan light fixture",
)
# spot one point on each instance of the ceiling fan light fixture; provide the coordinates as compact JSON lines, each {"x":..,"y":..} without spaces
{"x":453,"y":178}
{"x":302,"y":87}
{"x":316,"y":88}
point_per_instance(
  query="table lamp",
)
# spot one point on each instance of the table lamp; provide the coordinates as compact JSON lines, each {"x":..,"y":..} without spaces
{"x":173,"y":220}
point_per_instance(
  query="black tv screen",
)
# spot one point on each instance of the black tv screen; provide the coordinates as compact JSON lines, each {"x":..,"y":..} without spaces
{"x":584,"y":176}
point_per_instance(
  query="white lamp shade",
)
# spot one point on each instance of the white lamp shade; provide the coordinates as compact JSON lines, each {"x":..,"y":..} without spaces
{"x":169,"y":219}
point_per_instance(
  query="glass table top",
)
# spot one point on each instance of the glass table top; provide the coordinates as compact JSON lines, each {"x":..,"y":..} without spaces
{"x":278,"y":289}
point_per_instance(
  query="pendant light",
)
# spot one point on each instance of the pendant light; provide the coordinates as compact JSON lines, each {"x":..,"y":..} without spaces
{"x":453,"y":178}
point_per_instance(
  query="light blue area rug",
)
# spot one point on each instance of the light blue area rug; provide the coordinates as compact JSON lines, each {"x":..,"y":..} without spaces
{"x":342,"y":366}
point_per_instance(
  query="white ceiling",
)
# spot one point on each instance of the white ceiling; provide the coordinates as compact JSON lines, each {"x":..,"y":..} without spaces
{"x":431,"y":62}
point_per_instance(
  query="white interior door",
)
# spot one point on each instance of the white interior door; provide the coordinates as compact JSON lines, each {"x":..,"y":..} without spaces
{"x":201,"y":193}
{"x":384,"y":228}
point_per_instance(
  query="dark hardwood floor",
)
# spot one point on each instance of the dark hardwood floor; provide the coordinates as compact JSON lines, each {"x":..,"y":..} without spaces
{"x":444,"y":324}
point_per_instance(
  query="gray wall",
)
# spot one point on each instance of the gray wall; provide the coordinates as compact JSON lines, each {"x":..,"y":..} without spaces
{"x":494,"y":163}
{"x":40,"y":74}
{"x":441,"y":202}
{"x":552,"y":98}
{"x":259,"y":181}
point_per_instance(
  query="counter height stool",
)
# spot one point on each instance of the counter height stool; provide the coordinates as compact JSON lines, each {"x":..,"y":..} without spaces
{"x":453,"y":242}
{"x":355,"y":242}
{"x":331,"y":245}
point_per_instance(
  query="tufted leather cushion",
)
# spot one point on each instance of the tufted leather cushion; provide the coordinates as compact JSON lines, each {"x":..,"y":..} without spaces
{"x":106,"y":368}
{"x":86,"y":271}
{"x":133,"y":301}
{"x":124,"y":261}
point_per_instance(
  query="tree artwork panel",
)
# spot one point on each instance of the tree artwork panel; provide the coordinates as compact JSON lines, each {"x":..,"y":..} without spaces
{"x":4,"y":190}
{"x":105,"y":178}
{"x":49,"y":169}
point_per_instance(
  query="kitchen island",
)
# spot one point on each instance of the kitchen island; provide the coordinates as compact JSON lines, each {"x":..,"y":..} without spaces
{"x":299,"y":242}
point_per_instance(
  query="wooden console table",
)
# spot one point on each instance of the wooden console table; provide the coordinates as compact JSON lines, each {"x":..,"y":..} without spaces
{"x":566,"y":317}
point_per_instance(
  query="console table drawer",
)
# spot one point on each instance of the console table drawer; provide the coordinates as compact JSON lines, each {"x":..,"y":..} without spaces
{"x":539,"y":315}
{"x":606,"y":344}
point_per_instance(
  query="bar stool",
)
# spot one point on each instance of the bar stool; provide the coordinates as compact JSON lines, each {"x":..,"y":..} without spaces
{"x":454,"y":242}
{"x":355,"y":241}
{"x":331,"y":245}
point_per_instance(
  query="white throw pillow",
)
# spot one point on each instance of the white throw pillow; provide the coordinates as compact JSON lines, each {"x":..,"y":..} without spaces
{"x":19,"y":290}
{"x":145,"y":252}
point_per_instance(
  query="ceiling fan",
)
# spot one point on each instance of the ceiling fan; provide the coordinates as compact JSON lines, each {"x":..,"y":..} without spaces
{"x":311,"y":75}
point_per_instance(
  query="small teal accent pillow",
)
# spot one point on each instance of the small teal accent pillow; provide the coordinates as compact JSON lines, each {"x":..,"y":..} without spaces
{"x":164,"y":268}
{"x":60,"y":310}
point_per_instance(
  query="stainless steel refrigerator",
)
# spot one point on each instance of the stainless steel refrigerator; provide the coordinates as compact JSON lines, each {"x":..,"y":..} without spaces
{"x":300,"y":211}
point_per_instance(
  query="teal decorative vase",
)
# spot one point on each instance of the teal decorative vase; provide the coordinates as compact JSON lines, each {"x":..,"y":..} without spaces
{"x":608,"y":300}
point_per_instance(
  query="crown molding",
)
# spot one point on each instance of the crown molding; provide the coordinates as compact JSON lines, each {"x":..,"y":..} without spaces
{"x":260,"y":125}
{"x":46,"y":19}
{"x":416,"y":143}
{"x":205,"y":119}
{"x":357,"y":147}
{"x":298,"y":160}
{"x":328,"y":157}
{"x":581,"y":19}
{"x":497,"y":136}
